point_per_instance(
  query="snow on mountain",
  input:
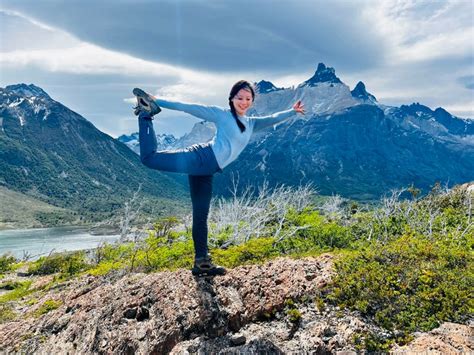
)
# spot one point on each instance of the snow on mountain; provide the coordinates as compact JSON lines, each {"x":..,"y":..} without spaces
{"x":348,"y":142}
{"x":27,"y":102}
{"x":202,"y":132}
{"x":27,"y":90}
{"x":323,"y":98}
{"x":323,"y":74}
{"x":164,"y":141}
{"x":50,"y":151}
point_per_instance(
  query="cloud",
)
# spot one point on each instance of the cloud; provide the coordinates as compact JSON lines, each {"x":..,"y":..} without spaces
{"x":220,"y":36}
{"x":89,"y":54}
{"x":424,"y":29}
{"x":467,"y":81}
{"x":54,"y":50}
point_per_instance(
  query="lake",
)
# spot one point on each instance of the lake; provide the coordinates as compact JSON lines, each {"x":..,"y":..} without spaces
{"x":38,"y":242}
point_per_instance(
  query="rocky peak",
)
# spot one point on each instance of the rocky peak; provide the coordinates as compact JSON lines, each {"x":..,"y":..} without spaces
{"x":415,"y":109}
{"x":27,"y":90}
{"x":323,"y":74}
{"x":264,"y":87}
{"x":361,"y":93}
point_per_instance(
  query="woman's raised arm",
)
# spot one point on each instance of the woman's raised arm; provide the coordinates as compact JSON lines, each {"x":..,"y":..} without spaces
{"x":207,"y":113}
{"x":271,"y":120}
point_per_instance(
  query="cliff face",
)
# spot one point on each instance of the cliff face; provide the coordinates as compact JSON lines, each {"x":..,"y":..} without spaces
{"x":269,"y":308}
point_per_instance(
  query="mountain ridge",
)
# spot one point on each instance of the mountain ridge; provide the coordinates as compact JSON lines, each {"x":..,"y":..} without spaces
{"x":316,"y":147}
{"x":54,"y":154}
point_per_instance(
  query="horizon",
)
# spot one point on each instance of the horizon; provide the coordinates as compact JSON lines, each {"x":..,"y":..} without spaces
{"x":193,"y":62}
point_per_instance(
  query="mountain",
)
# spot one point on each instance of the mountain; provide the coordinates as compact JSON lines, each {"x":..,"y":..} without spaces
{"x":264,"y":87}
{"x":350,"y":144}
{"x":202,"y":132}
{"x":361,"y":93}
{"x":164,"y":141}
{"x":53,"y":154}
{"x":323,"y":74}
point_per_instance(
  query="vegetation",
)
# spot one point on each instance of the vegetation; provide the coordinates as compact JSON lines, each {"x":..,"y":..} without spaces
{"x":47,"y":306}
{"x":407,"y":263}
{"x":6,"y":262}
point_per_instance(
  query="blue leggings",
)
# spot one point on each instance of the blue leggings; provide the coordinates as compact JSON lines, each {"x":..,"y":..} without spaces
{"x":198,"y":161}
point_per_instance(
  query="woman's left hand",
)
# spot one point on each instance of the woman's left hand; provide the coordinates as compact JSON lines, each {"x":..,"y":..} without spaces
{"x":299,"y":107}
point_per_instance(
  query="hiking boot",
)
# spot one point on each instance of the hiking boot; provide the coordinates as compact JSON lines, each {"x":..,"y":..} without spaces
{"x":145,"y":103}
{"x":205,"y":267}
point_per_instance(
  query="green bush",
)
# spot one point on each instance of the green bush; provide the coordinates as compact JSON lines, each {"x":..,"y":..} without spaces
{"x":67,"y":264}
{"x":6,"y":262}
{"x":255,"y":250}
{"x":316,"y":233}
{"x":410,"y":284}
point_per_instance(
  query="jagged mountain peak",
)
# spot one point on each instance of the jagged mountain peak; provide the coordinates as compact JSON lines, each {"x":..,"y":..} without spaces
{"x":416,"y":108}
{"x":27,"y":90}
{"x":323,"y":74}
{"x":264,"y":87}
{"x":361,"y":93}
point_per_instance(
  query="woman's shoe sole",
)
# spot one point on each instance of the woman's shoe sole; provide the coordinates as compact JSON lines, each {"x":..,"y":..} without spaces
{"x":152,"y":108}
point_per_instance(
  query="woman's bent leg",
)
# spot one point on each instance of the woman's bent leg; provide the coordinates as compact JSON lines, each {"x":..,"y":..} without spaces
{"x":194,"y":160}
{"x":201,"y":194}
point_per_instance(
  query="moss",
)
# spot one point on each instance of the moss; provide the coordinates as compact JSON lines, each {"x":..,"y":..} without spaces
{"x":16,"y":294}
{"x":7,"y":313}
{"x":294,"y":315}
{"x":47,"y":307}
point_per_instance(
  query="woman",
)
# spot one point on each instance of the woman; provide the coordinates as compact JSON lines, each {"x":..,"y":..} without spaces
{"x":201,"y":161}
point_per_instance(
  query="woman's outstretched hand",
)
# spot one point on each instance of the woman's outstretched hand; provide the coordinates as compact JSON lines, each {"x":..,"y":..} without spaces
{"x":299,"y":107}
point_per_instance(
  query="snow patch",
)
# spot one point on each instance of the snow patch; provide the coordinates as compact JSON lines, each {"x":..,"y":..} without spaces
{"x":16,"y":103}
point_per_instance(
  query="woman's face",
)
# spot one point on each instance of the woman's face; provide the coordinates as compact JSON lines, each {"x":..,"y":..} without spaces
{"x":242,"y":101}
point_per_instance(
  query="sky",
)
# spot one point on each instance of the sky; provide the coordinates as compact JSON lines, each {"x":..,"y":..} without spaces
{"x":90,"y":54}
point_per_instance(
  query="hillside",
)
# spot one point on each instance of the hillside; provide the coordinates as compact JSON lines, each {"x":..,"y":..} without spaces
{"x":313,"y":278}
{"x":55,"y":155}
{"x":18,"y":210}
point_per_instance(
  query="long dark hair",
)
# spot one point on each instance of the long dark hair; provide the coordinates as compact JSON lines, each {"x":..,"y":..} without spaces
{"x":241,"y":84}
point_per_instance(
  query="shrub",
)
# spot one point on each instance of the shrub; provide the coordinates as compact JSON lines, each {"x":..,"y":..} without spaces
{"x":67,"y":264}
{"x":6,"y":261}
{"x":312,"y":231}
{"x":411,"y":284}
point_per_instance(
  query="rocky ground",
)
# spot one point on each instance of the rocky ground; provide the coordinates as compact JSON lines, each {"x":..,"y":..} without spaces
{"x":269,"y":308}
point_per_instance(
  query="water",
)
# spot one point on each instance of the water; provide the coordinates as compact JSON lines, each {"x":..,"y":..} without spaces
{"x":38,"y":242}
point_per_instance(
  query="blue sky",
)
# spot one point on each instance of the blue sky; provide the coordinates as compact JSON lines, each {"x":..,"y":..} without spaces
{"x":90,"y":54}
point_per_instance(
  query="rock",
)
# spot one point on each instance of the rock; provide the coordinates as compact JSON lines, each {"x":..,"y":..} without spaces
{"x":130,"y":313}
{"x":449,"y":338}
{"x":238,"y":339}
{"x":154,"y":313}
